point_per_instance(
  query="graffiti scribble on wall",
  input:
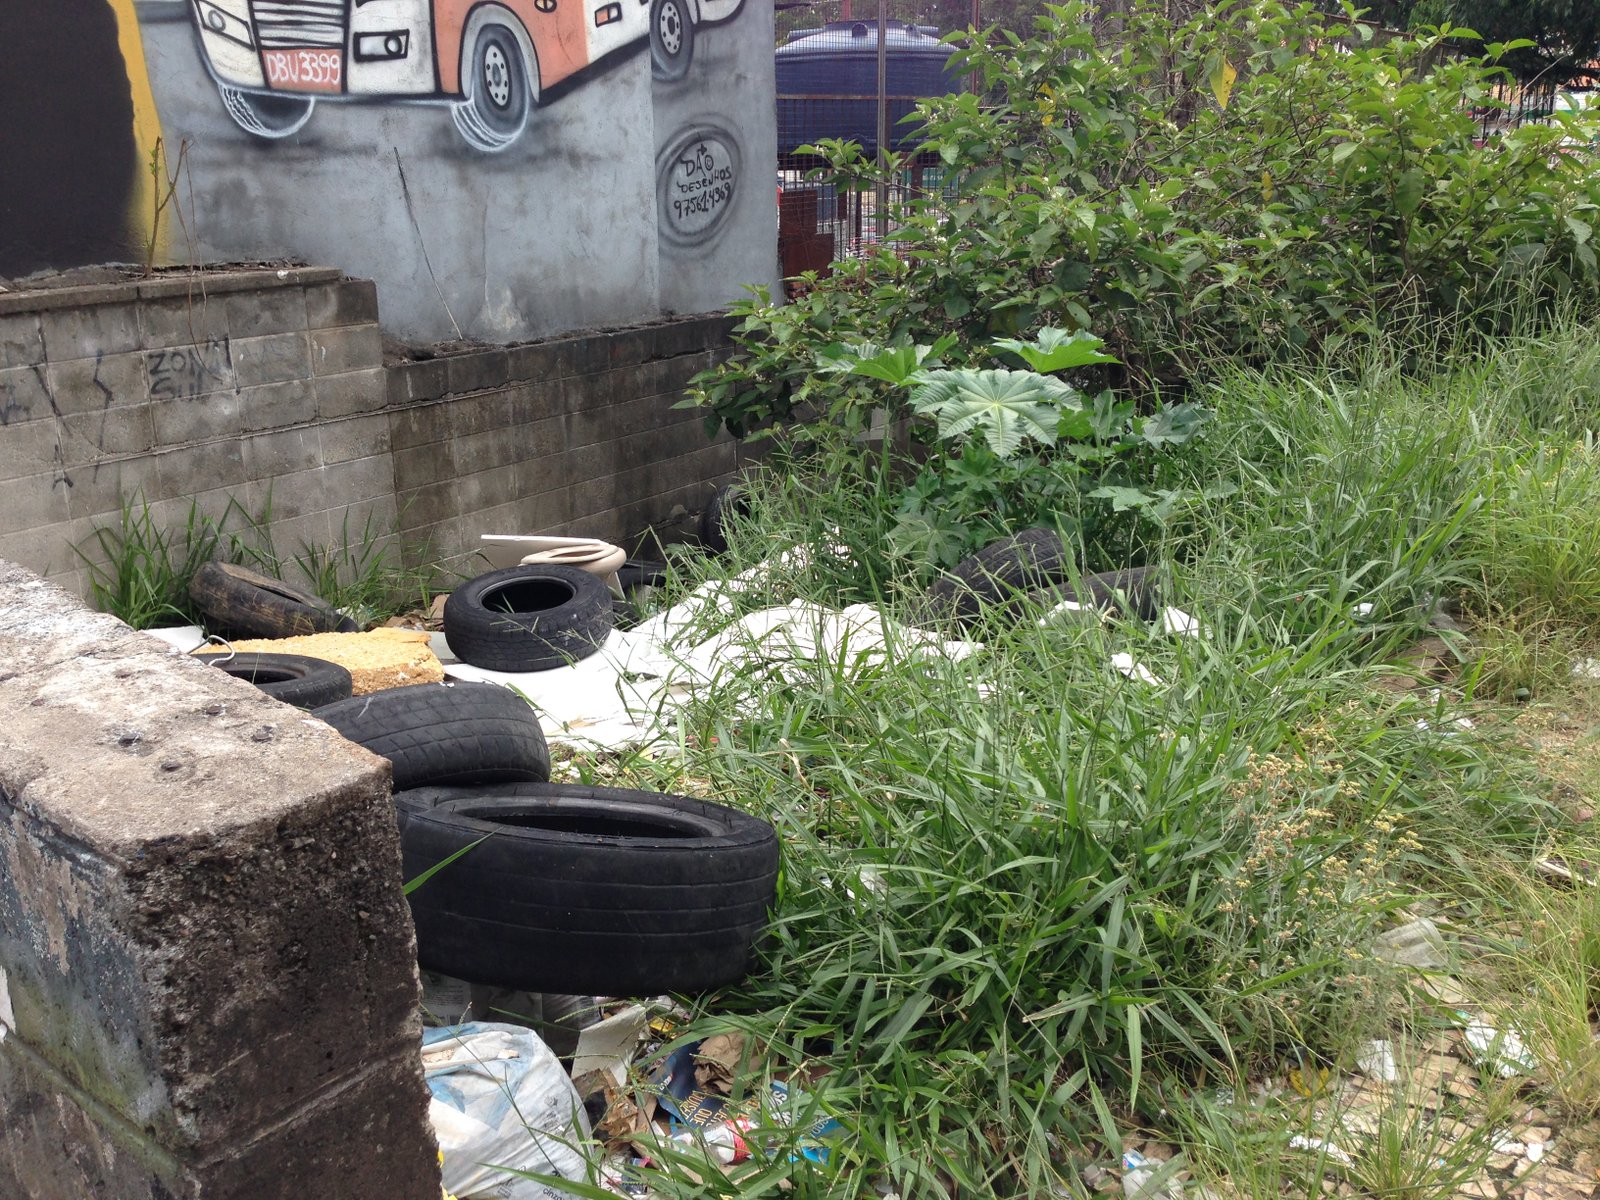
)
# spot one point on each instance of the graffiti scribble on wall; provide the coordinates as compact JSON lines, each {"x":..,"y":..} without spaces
{"x":490,"y":62}
{"x":695,"y":183}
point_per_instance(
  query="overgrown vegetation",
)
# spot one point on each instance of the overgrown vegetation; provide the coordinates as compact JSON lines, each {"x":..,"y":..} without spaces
{"x":1031,"y":900}
{"x":139,"y":567}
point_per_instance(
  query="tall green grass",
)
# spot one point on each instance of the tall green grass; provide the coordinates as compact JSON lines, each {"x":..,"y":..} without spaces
{"x":1026,"y":899}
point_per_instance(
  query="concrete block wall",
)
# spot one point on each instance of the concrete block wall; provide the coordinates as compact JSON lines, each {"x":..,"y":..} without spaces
{"x":268,"y":389}
{"x":576,"y":436}
{"x":243,"y":386}
{"x":208,"y":985}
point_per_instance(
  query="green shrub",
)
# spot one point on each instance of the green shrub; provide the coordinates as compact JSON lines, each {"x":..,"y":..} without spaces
{"x":1254,"y":185}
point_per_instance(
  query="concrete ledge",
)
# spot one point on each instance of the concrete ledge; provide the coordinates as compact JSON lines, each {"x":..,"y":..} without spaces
{"x":207,"y":966}
{"x":216,"y":282}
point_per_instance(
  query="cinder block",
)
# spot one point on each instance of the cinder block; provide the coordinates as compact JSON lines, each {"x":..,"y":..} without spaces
{"x":86,"y":330}
{"x":94,"y":435}
{"x":484,"y":489}
{"x":188,"y":371}
{"x":360,"y":479}
{"x":539,"y":473}
{"x":98,"y":489}
{"x":271,"y":455}
{"x":533,"y":363}
{"x":271,"y":359}
{"x":275,"y":405}
{"x":294,"y":494}
{"x":420,"y":466}
{"x":410,"y":382}
{"x":355,"y":348}
{"x":182,"y":321}
{"x":31,"y":447}
{"x":21,"y":341}
{"x":352,"y":392}
{"x":348,"y":302}
{"x":354,"y":437}
{"x":94,"y":384}
{"x":24,"y":395}
{"x":475,"y":371}
{"x":48,"y":549}
{"x":352,"y":522}
{"x":485,"y":451}
{"x":193,"y":469}
{"x":533,"y":402}
{"x":33,"y":501}
{"x":428,"y":505}
{"x":274,"y":310}
{"x":200,"y":419}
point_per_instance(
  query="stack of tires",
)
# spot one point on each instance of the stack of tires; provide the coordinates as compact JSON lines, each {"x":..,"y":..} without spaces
{"x":557,"y":888}
{"x":243,"y":603}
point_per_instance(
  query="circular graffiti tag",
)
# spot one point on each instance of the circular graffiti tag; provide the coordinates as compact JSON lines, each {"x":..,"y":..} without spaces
{"x":698,"y":177}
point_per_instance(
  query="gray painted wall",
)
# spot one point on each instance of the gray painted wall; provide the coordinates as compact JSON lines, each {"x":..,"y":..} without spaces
{"x":559,"y":230}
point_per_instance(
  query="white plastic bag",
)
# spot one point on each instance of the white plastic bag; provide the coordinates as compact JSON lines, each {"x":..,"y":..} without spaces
{"x":501,"y":1100}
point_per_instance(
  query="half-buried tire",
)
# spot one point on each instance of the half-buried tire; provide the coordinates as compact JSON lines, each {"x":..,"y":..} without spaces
{"x":446,"y":733}
{"x":999,"y":572}
{"x":530,"y":618}
{"x":590,"y":890}
{"x":295,"y":679}
{"x":246,"y":603}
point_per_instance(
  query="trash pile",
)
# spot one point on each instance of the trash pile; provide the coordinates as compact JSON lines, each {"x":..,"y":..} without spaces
{"x":515,"y":1121}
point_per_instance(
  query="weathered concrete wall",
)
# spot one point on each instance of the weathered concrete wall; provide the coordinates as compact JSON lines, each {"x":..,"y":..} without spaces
{"x":208,"y":980}
{"x":501,"y":170}
{"x":269,"y":386}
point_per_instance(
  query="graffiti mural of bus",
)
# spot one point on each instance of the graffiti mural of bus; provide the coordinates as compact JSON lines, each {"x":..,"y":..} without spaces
{"x":272,"y":60}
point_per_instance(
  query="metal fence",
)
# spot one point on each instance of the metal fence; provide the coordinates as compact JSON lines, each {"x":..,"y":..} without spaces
{"x":854,"y":70}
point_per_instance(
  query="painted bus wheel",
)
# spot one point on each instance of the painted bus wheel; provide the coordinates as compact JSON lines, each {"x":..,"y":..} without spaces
{"x":671,"y":39}
{"x":267,"y":115}
{"x":499,"y":94}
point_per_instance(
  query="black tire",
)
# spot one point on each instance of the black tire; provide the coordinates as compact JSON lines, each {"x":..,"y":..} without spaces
{"x":1135,"y":590}
{"x":671,"y":39}
{"x":245,"y":603}
{"x":589,"y":890}
{"x":438,"y":733}
{"x":295,"y":679}
{"x":641,"y":573}
{"x":531,"y":618}
{"x":730,"y":499}
{"x":500,"y":91}
{"x":1000,"y":572}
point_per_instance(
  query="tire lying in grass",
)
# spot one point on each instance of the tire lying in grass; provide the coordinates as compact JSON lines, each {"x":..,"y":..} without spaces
{"x":584,"y":889}
{"x":248,"y":604}
{"x":295,"y":679}
{"x":725,"y":501}
{"x":530,"y":618}
{"x":999,"y":572}
{"x":446,"y":733}
{"x":1136,"y":590}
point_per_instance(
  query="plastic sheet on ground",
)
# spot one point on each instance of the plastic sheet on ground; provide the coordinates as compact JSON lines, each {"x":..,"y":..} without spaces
{"x":500,"y":1100}
{"x":629,"y":690}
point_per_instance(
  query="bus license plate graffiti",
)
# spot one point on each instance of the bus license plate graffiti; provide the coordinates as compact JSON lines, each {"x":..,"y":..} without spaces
{"x":305,"y":70}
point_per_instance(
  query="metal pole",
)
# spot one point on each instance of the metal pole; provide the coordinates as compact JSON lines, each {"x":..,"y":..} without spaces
{"x":883,"y":120}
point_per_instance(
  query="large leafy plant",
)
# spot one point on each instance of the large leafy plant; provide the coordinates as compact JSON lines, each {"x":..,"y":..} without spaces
{"x":1007,"y":448}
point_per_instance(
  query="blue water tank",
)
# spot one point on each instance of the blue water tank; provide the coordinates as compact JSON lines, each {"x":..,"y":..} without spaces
{"x":818,"y":68}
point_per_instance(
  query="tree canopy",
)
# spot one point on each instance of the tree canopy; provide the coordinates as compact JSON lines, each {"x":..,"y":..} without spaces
{"x":1565,"y":33}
